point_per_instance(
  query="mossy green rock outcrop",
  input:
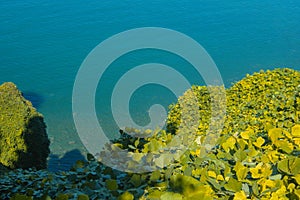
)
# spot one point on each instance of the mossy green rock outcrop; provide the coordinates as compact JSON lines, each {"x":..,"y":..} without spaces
{"x":23,"y":139}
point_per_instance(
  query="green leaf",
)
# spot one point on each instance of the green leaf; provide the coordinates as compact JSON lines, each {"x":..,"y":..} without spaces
{"x":214,"y":183}
{"x":285,"y":146}
{"x":233,"y":185}
{"x":83,"y":197}
{"x":290,"y":165}
{"x":131,"y":147}
{"x":276,"y":177}
{"x":240,"y":155}
{"x":171,"y":196}
{"x":255,"y":188}
{"x":21,"y":197}
{"x":136,"y":143}
{"x":184,"y":184}
{"x":136,"y":180}
{"x":61,"y":197}
{"x":111,"y":184}
{"x":155,"y":176}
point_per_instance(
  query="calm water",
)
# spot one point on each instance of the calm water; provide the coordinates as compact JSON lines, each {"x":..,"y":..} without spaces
{"x":43,"y":44}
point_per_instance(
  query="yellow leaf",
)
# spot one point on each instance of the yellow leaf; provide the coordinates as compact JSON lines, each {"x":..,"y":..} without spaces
{"x":196,"y":152}
{"x":285,"y":146}
{"x":296,"y":131}
{"x":252,"y":152}
{"x":297,"y":141}
{"x":259,"y":142}
{"x":229,"y":144}
{"x":267,"y":184}
{"x":291,"y":187}
{"x":287,"y":134}
{"x":242,"y":143}
{"x":255,"y":172}
{"x":265,"y":158}
{"x":212,"y":174}
{"x":273,"y":156}
{"x":126,"y":196}
{"x":245,"y":135}
{"x":281,"y":191}
{"x":297,"y":178}
{"x":297,"y":193}
{"x":261,"y":170}
{"x":220,"y":177}
{"x":240,"y":196}
{"x":241,"y":171}
{"x":274,"y":134}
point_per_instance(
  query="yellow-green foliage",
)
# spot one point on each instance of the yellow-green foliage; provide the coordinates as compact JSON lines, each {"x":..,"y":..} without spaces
{"x":23,"y":139}
{"x":256,"y":155}
{"x":126,"y":196}
{"x":204,"y":101}
{"x":262,"y":100}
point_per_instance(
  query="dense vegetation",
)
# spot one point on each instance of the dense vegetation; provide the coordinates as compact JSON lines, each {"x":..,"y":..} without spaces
{"x":23,"y":139}
{"x":256,"y":154}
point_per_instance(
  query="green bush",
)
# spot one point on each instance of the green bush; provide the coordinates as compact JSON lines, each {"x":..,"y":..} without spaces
{"x":262,"y":100}
{"x":23,"y":139}
{"x":256,"y":155}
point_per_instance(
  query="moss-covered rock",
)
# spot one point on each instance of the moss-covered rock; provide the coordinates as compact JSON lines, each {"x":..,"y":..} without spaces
{"x":23,"y":139}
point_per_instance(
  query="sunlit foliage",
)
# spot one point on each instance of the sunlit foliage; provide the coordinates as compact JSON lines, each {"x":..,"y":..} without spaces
{"x":256,"y":155}
{"x":23,"y":139}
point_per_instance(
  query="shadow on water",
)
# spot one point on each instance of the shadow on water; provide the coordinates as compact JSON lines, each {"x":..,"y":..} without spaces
{"x":35,"y":98}
{"x":55,"y":163}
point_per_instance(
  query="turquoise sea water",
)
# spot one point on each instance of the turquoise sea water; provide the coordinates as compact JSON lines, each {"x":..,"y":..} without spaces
{"x":43,"y":43}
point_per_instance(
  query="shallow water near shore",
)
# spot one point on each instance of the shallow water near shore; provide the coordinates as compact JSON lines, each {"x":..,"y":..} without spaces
{"x":43,"y":45}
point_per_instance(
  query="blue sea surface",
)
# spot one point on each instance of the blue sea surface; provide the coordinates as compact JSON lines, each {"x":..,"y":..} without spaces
{"x":43,"y":43}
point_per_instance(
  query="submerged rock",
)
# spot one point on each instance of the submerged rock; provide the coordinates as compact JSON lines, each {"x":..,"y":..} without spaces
{"x":23,"y":139}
